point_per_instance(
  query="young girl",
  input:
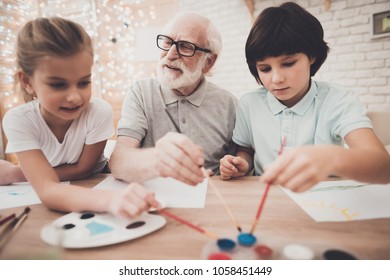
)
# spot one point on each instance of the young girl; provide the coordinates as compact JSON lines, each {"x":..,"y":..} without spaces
{"x":60,"y":134}
{"x":284,"y":49}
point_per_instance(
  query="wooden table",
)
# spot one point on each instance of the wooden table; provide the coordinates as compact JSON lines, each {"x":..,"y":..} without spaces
{"x":282,"y":221}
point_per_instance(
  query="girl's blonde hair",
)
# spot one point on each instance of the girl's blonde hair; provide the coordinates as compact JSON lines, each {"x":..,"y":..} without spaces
{"x":43,"y":37}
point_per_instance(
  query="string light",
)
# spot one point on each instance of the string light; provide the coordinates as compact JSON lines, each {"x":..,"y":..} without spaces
{"x":13,"y":14}
{"x":112,"y":26}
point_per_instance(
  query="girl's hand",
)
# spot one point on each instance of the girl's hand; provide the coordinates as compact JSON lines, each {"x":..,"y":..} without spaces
{"x":231,"y":166}
{"x":301,"y":168}
{"x":132,"y":201}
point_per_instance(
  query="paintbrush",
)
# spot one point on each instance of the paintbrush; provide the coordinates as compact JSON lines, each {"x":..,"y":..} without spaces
{"x":267,"y":187}
{"x":207,"y":233}
{"x":6,"y":219}
{"x":12,"y":227}
{"x":218,"y":194}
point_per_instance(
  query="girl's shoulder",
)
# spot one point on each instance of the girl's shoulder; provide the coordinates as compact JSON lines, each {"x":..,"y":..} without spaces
{"x":23,"y":111}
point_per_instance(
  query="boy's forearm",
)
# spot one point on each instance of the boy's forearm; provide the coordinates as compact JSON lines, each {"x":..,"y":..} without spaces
{"x":365,"y":165}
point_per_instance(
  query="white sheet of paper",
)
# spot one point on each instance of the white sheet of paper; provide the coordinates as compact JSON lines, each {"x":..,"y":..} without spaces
{"x":172,"y":192}
{"x":344,"y":200}
{"x":19,"y":194}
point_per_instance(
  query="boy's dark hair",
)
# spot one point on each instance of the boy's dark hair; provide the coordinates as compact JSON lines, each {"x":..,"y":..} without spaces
{"x":285,"y":30}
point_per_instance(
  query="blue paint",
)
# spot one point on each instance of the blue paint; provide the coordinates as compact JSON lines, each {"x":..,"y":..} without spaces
{"x":226,"y":244}
{"x":14,"y":193}
{"x":96,"y":228}
{"x":246,"y":239}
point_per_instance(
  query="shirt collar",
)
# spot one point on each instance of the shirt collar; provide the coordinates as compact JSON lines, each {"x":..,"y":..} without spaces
{"x":300,"y":108}
{"x":195,"y":98}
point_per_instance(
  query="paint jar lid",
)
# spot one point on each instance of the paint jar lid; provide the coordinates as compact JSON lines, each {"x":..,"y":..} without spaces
{"x":297,"y":252}
{"x":219,"y":256}
{"x":226,"y":244}
{"x":246,"y":239}
{"x":335,"y":254}
{"x":263,"y":250}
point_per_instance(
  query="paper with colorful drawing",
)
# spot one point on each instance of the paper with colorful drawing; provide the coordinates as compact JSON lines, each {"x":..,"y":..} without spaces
{"x":170,"y":191}
{"x":344,"y":200}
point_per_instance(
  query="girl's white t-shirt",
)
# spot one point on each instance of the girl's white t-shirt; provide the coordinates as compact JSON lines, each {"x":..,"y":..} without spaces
{"x":26,"y":130}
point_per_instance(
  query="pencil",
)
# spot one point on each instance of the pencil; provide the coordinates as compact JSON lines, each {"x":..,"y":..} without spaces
{"x":6,"y":219}
{"x":223,"y":202}
{"x":207,"y":233}
{"x":267,"y":187}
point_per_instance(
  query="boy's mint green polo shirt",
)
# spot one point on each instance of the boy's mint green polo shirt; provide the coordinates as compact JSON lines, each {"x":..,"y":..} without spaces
{"x":325,"y":115}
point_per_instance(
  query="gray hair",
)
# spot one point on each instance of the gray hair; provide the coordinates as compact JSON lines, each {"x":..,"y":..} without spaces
{"x":213,"y":37}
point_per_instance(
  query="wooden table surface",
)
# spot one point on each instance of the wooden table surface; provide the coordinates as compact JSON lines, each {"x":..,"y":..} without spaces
{"x":282,"y":222}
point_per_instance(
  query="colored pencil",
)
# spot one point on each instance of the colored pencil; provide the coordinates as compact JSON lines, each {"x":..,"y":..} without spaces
{"x":267,"y":187}
{"x":208,"y":233}
{"x":223,"y":202}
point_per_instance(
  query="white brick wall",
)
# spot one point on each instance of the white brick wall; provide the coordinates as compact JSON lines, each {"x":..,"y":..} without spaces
{"x":233,"y":20}
{"x":355,"y":61}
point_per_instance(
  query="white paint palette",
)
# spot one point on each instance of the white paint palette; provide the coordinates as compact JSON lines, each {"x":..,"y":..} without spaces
{"x":89,"y":229}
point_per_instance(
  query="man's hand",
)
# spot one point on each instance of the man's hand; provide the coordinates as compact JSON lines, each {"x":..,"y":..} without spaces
{"x":178,"y":157}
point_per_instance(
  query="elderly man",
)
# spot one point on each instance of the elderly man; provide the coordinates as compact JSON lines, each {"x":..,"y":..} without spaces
{"x":173,"y":125}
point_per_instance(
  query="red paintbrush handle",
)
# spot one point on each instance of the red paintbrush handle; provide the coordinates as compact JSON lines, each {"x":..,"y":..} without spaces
{"x":166,"y":213}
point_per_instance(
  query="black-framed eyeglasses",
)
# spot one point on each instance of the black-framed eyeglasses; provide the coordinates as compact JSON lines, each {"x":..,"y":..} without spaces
{"x":184,"y":48}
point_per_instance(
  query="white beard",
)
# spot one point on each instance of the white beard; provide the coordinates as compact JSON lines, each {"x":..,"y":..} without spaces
{"x":168,"y":79}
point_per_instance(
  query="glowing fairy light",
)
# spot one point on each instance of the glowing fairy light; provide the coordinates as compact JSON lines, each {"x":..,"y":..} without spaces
{"x":111,"y":24}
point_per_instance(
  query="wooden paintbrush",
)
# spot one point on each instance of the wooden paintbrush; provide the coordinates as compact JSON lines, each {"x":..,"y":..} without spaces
{"x":267,"y":187}
{"x":12,"y":227}
{"x":8,"y":218}
{"x":208,"y":233}
{"x":218,"y":194}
